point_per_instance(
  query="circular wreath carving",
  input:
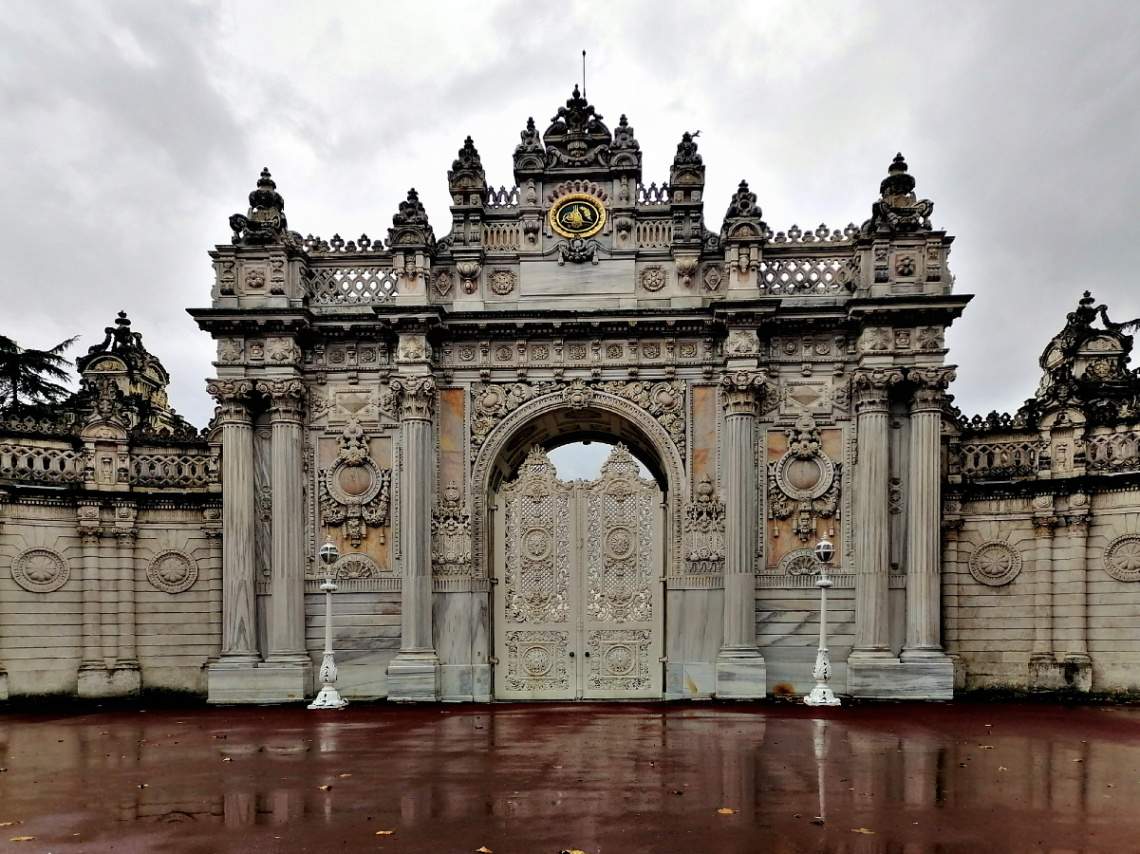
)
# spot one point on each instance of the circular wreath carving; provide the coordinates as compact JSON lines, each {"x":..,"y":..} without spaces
{"x":653,"y":278}
{"x":172,"y":571}
{"x":40,"y":570}
{"x":995,"y":563}
{"x":620,"y":542}
{"x":537,"y":544}
{"x":351,"y":484}
{"x":805,"y":479}
{"x":620,"y":660}
{"x":1122,"y":558}
{"x":537,"y":661}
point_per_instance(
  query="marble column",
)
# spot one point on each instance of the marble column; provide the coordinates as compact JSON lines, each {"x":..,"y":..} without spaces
{"x":740,"y":669}
{"x":871,"y":520}
{"x":287,"y":603}
{"x":239,"y":612}
{"x":414,"y":673}
{"x":924,"y":517}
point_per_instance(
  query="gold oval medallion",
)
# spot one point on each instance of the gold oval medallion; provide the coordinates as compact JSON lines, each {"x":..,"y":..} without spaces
{"x":577,"y":215}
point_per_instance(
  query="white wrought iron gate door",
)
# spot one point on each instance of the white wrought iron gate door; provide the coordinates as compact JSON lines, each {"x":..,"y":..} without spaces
{"x":579,"y":601}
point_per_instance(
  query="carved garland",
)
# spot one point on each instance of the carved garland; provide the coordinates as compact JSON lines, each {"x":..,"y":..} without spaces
{"x":451,"y":535}
{"x":704,"y":527}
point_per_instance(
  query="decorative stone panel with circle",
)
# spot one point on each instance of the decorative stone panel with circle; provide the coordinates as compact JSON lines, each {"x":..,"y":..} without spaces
{"x":172,"y":571}
{"x":805,"y":479}
{"x":995,"y":563}
{"x":1122,"y":558}
{"x":653,"y":278}
{"x":40,"y":570}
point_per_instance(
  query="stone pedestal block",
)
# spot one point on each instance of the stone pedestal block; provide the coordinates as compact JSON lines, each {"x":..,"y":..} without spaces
{"x":414,"y":677}
{"x":917,"y":678}
{"x":740,"y":674}
{"x":3,"y":685}
{"x":265,"y":683}
{"x":95,"y":682}
{"x":1072,"y":674}
{"x":126,"y":681}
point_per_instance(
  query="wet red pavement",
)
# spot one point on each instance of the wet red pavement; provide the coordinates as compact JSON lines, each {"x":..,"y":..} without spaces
{"x":600,"y":779}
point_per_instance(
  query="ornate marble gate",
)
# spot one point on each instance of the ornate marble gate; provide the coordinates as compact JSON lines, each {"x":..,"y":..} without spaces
{"x":578,"y":606}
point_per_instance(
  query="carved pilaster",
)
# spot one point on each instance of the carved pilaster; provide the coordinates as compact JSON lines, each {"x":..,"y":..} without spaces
{"x":89,"y":526}
{"x":1043,"y":531}
{"x":127,"y":654}
{"x":1077,"y":526}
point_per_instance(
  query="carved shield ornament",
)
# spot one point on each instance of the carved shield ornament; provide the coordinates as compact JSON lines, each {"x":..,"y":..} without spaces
{"x":577,"y":215}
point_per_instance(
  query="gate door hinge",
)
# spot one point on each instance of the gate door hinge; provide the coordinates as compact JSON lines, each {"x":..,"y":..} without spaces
{"x":493,"y":660}
{"x":663,"y":659}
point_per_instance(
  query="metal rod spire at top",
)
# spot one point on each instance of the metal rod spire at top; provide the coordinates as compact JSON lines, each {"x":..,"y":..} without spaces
{"x":583,"y":74}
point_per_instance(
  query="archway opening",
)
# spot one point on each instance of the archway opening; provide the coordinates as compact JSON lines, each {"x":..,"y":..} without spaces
{"x":583,"y":459}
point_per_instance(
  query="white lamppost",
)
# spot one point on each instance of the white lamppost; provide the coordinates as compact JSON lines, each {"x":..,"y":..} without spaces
{"x":328,"y":698}
{"x":821,"y":694}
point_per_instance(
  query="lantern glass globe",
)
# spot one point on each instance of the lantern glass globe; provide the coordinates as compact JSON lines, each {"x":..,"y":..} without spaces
{"x":329,"y":554}
{"x":824,"y":551}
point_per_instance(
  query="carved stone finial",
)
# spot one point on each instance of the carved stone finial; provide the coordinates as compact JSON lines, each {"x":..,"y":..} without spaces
{"x":742,"y":220}
{"x":898,"y":209}
{"x":467,"y":175}
{"x":577,"y":136}
{"x":265,"y":220}
{"x":625,"y":151}
{"x":687,"y":152}
{"x":410,"y":225}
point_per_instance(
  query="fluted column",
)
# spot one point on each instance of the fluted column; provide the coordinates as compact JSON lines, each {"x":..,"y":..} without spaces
{"x":924,"y":516}
{"x":239,"y":614}
{"x":287,"y":606}
{"x":414,"y":673}
{"x":740,"y":667}
{"x":871,"y":520}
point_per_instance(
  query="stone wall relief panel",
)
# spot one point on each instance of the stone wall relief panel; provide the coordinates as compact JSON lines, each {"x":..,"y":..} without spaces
{"x":995,"y":563}
{"x":803,"y":488}
{"x":40,"y":570}
{"x":172,"y":571}
{"x":451,"y":535}
{"x":704,"y":531}
{"x":336,"y":405}
{"x":355,"y":493}
{"x":1121,"y":558}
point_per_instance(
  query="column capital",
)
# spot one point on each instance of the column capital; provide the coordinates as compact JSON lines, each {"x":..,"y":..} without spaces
{"x":88,"y":522}
{"x":126,"y":536}
{"x":232,"y":397}
{"x":1043,"y":526}
{"x":871,"y":387}
{"x":743,"y":390}
{"x":286,"y":398}
{"x":930,"y":384}
{"x":415,"y":397}
{"x":1078,"y":524}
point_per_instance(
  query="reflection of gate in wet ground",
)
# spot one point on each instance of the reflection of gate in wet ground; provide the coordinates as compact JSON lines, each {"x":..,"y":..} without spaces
{"x":578,"y":606}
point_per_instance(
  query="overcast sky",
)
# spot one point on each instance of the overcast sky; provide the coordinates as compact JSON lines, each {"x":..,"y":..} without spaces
{"x":132,"y":130}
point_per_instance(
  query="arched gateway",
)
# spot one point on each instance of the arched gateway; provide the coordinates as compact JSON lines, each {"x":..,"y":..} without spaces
{"x":396,"y":397}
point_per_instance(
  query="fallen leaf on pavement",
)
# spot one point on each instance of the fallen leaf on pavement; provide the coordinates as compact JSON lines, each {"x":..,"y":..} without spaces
{"x":385,"y":832}
{"x":22,"y":838}
{"x":726,"y":811}
{"x":1002,"y":768}
{"x":344,"y":775}
{"x":227,"y":759}
{"x":572,"y":851}
{"x":861,"y":830}
{"x":324,"y":788}
{"x":1078,"y":760}
{"x":482,"y":849}
{"x":986,"y":746}
{"x":7,"y":823}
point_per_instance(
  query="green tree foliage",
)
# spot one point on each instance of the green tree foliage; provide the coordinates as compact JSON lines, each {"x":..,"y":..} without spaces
{"x":28,"y":377}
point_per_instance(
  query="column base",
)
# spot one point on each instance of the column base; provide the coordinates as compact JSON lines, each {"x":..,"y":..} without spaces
{"x":231,"y":681}
{"x":413,"y":677}
{"x":919,"y":675}
{"x":740,"y":674}
{"x":3,"y":684}
{"x":126,"y":679}
{"x":95,"y":681}
{"x":1072,"y":674}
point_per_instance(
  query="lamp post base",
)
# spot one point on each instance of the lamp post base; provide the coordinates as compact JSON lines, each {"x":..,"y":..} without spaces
{"x":821,"y":695}
{"x":328,"y":699}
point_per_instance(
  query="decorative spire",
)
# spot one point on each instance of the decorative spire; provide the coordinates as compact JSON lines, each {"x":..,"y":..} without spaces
{"x":264,"y":222}
{"x":467,"y":180}
{"x":687,"y":151}
{"x":468,"y":159}
{"x":742,"y":220}
{"x":411,"y":212}
{"x":410,"y":225}
{"x":577,"y":137}
{"x":898,"y":210}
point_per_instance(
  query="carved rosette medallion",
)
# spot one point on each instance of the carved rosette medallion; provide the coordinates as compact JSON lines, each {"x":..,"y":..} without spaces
{"x":995,"y":563}
{"x":1122,"y":558}
{"x":502,"y":282}
{"x":619,"y":659}
{"x":653,"y":278}
{"x":40,"y":570}
{"x":354,"y":491}
{"x":798,"y":562}
{"x":352,"y":566}
{"x":803,"y":482}
{"x":172,"y":571}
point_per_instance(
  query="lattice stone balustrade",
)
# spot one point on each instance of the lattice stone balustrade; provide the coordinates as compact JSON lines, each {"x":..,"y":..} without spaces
{"x":346,"y":285}
{"x":173,"y":470}
{"x":984,"y":460}
{"x":1113,"y":452}
{"x":49,"y":465}
{"x":806,"y":276}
